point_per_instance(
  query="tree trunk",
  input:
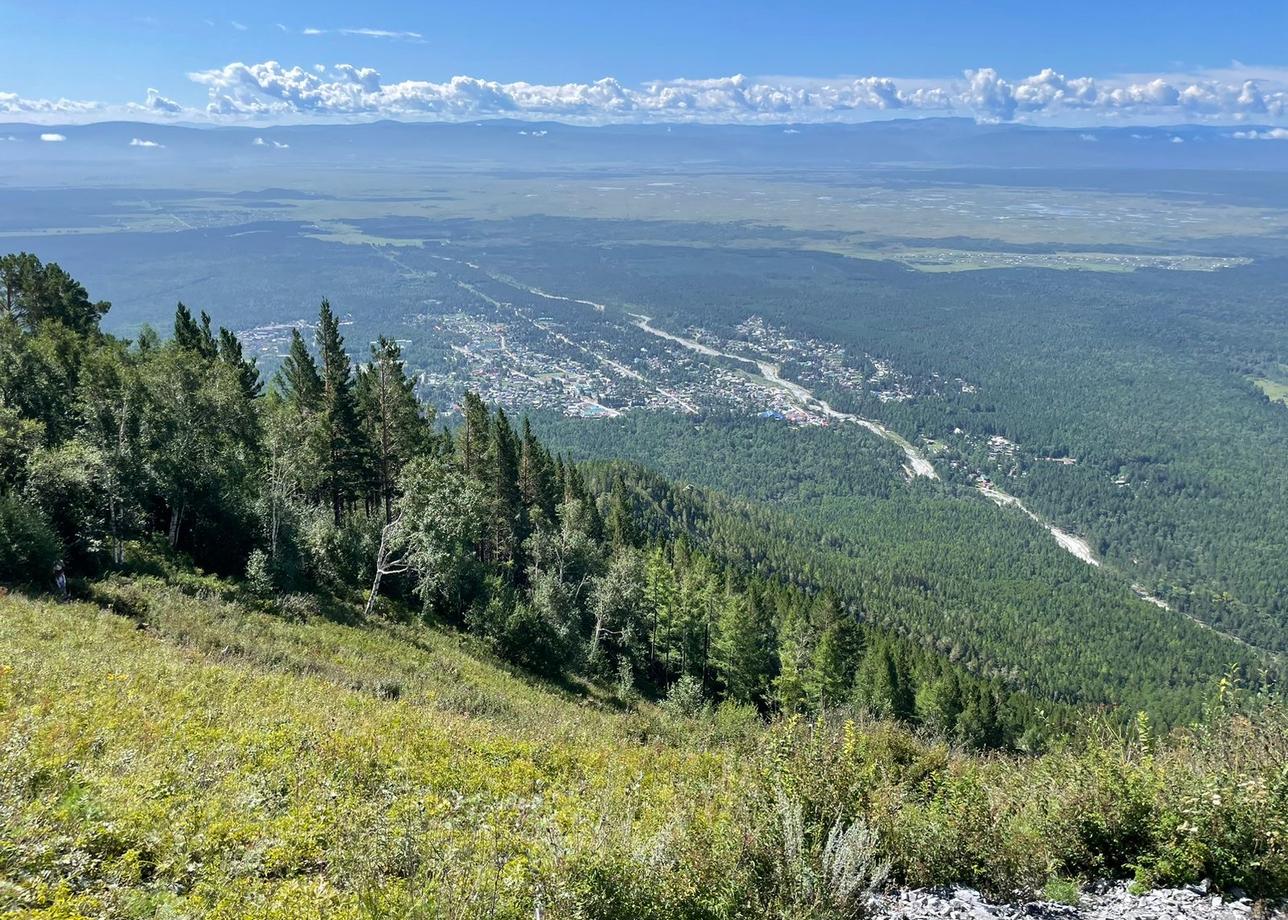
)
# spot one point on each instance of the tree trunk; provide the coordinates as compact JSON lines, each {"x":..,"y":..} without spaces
{"x":383,"y":566}
{"x":176,"y":523}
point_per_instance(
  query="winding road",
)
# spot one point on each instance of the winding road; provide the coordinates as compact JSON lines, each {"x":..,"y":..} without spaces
{"x":918,"y":464}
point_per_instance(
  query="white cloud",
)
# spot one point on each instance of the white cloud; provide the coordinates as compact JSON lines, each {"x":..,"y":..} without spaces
{"x":240,"y":27}
{"x":53,"y":138}
{"x":260,"y":142}
{"x":1271,"y":134}
{"x":383,"y":33}
{"x":270,"y":90}
{"x":155,"y":102}
{"x":367,"y":32}
{"x":13,"y":104}
{"x":140,"y":142}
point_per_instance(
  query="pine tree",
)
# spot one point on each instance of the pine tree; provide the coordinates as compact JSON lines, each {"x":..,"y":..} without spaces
{"x":35,"y":293}
{"x":392,"y":420}
{"x":230,"y":353}
{"x":342,"y":436}
{"x":471,"y":439}
{"x":743,"y":649}
{"x":536,"y":475}
{"x":298,"y":378}
{"x":194,"y":336}
{"x":507,"y":517}
{"x":881,"y":684}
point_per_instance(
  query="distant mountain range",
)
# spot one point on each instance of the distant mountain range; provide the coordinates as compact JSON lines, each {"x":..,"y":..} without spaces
{"x":930,"y":142}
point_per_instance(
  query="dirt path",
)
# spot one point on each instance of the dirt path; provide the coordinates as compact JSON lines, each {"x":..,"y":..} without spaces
{"x":1076,"y":545}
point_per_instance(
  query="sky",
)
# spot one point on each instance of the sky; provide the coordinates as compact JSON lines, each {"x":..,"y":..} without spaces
{"x":1090,"y":62}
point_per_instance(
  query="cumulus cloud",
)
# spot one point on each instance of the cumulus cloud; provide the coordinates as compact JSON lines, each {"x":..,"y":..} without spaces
{"x":13,"y":104}
{"x":155,"y":102}
{"x":271,"y":90}
{"x":53,"y":138}
{"x":1270,"y":134}
{"x":140,"y":142}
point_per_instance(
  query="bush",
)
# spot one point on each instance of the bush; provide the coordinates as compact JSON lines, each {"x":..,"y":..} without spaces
{"x":28,"y":546}
{"x":338,"y":556}
{"x":685,"y":698}
{"x":1062,"y":891}
{"x":67,"y":482}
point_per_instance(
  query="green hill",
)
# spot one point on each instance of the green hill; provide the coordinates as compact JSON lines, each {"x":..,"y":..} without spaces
{"x":327,"y":658}
{"x":192,"y":756}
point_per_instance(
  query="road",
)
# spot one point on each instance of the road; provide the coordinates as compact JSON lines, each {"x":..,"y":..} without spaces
{"x":918,"y":463}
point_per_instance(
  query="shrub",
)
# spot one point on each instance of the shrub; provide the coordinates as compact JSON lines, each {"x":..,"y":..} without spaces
{"x":28,"y":546}
{"x":339,"y":555}
{"x":1062,"y":891}
{"x":685,"y":698}
{"x":831,"y":878}
{"x":259,"y":574}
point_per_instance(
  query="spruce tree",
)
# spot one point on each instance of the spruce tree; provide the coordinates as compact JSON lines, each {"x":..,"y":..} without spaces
{"x":796,"y":641}
{"x":507,"y":518}
{"x":392,"y":421}
{"x":743,"y":649}
{"x":471,"y":439}
{"x":342,"y":436}
{"x":621,"y":521}
{"x":230,"y":353}
{"x":536,"y":475}
{"x":298,"y":378}
{"x":881,"y":684}
{"x":832,"y":663}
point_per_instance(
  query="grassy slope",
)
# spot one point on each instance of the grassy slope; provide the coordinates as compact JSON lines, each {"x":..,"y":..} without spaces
{"x":186,"y":756}
{"x":243,"y":762}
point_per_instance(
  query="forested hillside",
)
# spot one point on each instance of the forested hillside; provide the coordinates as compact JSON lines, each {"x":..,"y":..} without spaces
{"x":1142,"y":382}
{"x":320,"y":657}
{"x":942,"y":566}
{"x":335,"y":480}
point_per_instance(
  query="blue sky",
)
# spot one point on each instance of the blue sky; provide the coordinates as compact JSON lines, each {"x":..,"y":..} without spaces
{"x":109,"y":54}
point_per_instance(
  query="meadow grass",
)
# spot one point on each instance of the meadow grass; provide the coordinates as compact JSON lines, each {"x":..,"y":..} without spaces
{"x":174,"y":751}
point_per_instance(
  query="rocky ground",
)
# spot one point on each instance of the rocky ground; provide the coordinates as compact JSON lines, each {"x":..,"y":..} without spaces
{"x":1106,"y":902}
